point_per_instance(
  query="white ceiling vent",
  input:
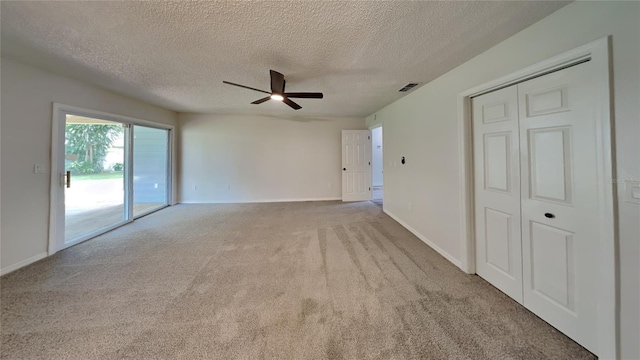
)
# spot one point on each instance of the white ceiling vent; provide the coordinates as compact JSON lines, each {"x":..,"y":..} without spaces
{"x":408,"y":87}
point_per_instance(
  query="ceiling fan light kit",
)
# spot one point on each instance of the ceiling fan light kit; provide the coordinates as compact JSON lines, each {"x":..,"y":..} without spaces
{"x":277,"y":92}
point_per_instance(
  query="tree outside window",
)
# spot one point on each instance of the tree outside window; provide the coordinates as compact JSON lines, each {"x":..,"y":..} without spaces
{"x":87,"y":145}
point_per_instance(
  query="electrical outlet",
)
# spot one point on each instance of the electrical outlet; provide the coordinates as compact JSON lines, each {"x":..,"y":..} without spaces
{"x":410,"y":206}
{"x":195,"y":187}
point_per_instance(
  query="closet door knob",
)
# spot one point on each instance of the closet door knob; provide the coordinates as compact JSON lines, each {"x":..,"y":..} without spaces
{"x":549,"y":215}
{"x":344,"y":169}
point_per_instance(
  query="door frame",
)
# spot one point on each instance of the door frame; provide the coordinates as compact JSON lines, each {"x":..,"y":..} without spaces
{"x":380,"y":125}
{"x":59,"y":112}
{"x":597,"y":53}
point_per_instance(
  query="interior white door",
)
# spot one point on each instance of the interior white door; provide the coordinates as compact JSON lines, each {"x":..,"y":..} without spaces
{"x":497,"y":190}
{"x":356,"y":165}
{"x":560,"y":221}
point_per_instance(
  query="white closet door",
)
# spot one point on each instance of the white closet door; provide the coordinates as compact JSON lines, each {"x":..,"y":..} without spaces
{"x":497,"y":190}
{"x":559,"y":201}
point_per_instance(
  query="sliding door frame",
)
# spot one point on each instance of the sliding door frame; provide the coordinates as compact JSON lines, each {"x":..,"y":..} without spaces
{"x":56,"y":205}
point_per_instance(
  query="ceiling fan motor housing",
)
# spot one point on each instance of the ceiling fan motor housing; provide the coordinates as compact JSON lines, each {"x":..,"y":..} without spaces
{"x":278,"y":93}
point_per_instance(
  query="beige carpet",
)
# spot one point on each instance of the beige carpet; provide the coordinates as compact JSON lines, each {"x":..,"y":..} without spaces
{"x":322,"y":280}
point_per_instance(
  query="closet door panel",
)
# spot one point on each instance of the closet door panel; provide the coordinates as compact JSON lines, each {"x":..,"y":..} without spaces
{"x":497,"y":190}
{"x":559,"y":201}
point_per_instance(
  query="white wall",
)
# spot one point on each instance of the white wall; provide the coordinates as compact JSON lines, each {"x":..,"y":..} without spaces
{"x":27,"y":95}
{"x":376,"y":156}
{"x":423,"y":127}
{"x":232,"y":158}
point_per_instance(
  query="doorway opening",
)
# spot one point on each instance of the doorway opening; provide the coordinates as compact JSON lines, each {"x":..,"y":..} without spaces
{"x":94,"y":164}
{"x":377,"y":178}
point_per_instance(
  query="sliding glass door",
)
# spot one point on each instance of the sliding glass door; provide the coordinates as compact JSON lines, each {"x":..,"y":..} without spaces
{"x":94,"y":180}
{"x":108,"y":171}
{"x":150,"y":169}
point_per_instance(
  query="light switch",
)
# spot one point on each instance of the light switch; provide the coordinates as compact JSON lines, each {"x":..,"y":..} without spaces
{"x":635,"y":192}
{"x":38,"y":169}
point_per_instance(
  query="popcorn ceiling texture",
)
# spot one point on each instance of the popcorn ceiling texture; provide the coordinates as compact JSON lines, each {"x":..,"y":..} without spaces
{"x":176,"y":54}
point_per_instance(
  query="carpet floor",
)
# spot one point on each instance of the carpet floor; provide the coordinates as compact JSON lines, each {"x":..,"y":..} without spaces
{"x":321,"y":280}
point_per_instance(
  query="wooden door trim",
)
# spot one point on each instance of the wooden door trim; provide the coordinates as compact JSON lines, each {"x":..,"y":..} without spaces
{"x":598,"y":54}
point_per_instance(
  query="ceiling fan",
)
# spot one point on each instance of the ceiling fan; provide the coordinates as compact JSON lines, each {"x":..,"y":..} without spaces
{"x":277,"y":91}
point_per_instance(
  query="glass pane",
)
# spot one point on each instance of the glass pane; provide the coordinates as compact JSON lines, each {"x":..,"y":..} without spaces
{"x":95,"y":157}
{"x":150,"y":168}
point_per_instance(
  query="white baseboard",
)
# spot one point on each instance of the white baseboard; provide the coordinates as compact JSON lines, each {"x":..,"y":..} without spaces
{"x":435,"y":247}
{"x":259,"y":201}
{"x":22,"y":263}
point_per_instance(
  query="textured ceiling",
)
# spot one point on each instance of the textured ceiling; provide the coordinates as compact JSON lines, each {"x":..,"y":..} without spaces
{"x":176,"y":54}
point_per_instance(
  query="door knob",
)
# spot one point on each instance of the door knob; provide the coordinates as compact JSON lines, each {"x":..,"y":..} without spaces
{"x":549,"y":215}
{"x":344,"y":169}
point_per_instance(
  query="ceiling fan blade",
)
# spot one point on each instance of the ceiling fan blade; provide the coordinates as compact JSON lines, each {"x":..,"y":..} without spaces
{"x":277,"y":82}
{"x":260,"y":101}
{"x":304,"y":95}
{"x":292,"y":104}
{"x":246,"y":87}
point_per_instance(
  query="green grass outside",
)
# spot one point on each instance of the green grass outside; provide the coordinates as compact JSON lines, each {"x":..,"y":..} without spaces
{"x":100,"y":176}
